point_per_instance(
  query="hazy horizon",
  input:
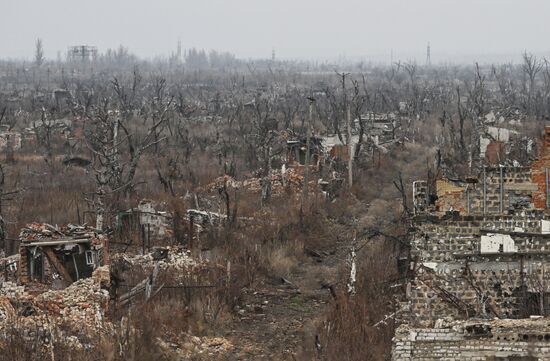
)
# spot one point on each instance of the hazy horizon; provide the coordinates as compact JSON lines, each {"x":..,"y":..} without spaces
{"x":458,"y":31}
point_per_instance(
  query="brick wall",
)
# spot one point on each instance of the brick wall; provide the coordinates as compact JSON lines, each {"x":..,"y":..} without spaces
{"x":499,"y":291}
{"x":538,"y":170}
{"x":468,"y":198}
{"x":451,"y":268}
{"x":488,"y":264}
{"x":470,"y":341}
{"x":23,"y":266}
{"x":438,"y":240}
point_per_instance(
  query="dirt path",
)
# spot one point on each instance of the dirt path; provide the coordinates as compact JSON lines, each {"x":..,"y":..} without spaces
{"x":277,"y":321}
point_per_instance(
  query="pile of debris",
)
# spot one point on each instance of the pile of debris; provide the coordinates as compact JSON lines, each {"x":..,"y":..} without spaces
{"x":290,"y":178}
{"x":46,"y":232}
{"x":140,"y":278}
{"x":75,"y":314}
{"x":172,"y":266}
{"x":173,"y":258}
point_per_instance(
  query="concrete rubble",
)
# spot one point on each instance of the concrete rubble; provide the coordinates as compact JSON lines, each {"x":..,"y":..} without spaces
{"x":174,"y":259}
{"x":76,"y":314}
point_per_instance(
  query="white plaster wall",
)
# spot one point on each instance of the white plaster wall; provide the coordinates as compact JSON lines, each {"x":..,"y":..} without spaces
{"x":491,"y":243}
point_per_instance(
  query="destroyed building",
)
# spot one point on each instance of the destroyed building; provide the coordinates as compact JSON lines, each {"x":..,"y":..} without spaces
{"x":72,"y":252}
{"x":479,"y":286}
{"x":146,"y":221}
{"x":500,"y":189}
{"x":500,"y":136}
{"x":338,"y":149}
{"x":57,"y":286}
{"x":297,"y":150}
{"x":36,"y":308}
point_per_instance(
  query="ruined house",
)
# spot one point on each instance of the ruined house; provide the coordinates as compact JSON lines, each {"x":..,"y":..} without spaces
{"x":72,"y":252}
{"x":297,"y":150}
{"x":479,"y":286}
{"x":146,"y":221}
{"x":337,"y":149}
{"x":499,"y":136}
{"x":61,"y":97}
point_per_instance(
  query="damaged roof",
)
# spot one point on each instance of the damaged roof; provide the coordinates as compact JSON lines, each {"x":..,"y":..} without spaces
{"x":35,"y":234}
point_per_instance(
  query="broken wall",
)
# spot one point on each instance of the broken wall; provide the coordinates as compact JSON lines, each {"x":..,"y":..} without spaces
{"x":156,"y":222}
{"x":470,"y":266}
{"x":495,"y":191}
{"x":476,"y":340}
{"x":500,"y":289}
{"x":436,"y":240}
{"x":420,"y":196}
{"x":540,"y":177}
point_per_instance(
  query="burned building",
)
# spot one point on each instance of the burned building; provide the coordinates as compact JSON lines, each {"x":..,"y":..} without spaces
{"x":72,"y":252}
{"x":479,"y":286}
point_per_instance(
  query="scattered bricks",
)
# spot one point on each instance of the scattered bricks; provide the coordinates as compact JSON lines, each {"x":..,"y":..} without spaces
{"x":75,"y":313}
{"x":178,"y":262}
{"x":102,"y":276}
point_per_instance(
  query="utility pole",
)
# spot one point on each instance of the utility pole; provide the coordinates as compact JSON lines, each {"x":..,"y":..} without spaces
{"x":428,"y":55}
{"x":308,"y":148}
{"x":350,"y":150}
{"x":347,"y":114}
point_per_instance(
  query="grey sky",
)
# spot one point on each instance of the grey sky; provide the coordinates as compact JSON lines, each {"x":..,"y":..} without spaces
{"x":309,"y":29}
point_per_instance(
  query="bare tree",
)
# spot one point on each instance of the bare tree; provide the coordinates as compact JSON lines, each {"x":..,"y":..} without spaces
{"x":531,"y":67}
{"x":111,"y":127}
{"x":39,"y":53}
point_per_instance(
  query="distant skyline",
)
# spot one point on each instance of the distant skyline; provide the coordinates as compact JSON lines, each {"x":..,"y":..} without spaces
{"x":458,"y":31}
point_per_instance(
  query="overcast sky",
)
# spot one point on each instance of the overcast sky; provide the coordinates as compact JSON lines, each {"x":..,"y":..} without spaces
{"x":310,"y":29}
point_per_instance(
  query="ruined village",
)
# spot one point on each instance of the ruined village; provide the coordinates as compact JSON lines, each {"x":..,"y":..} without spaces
{"x":202,"y":205}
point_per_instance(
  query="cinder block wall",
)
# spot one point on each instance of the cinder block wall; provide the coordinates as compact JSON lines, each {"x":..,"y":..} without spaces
{"x":454,"y":280}
{"x":449,"y":344}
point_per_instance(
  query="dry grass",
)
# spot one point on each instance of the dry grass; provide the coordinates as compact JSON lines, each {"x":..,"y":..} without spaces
{"x":279,"y":262}
{"x":351,"y":330}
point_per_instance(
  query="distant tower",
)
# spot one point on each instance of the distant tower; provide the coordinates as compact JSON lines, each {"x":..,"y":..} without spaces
{"x":428,"y":55}
{"x":82,"y":53}
{"x":273,"y":55}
